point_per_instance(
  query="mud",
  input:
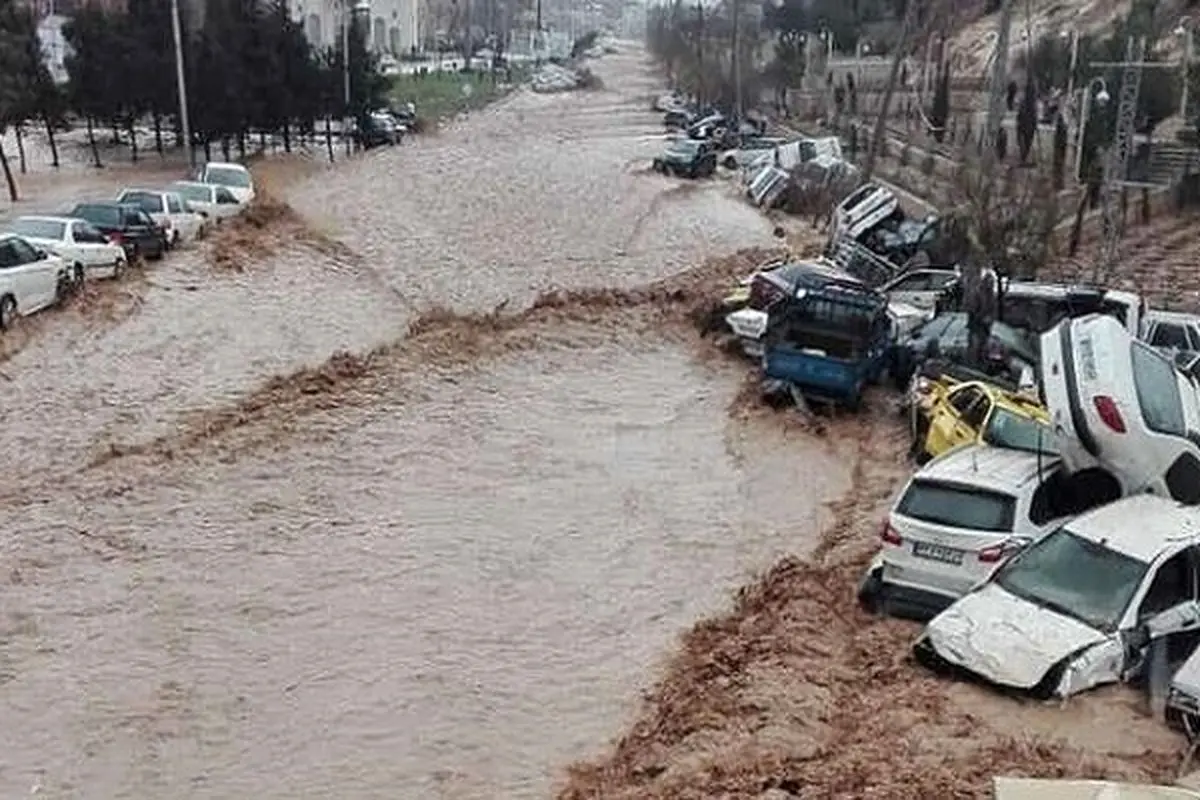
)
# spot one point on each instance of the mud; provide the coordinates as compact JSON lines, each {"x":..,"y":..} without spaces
{"x":797,"y":690}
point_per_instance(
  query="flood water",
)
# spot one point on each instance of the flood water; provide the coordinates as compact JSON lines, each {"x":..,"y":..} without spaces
{"x":451,"y":588}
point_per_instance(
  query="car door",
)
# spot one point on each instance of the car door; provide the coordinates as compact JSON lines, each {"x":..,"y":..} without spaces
{"x":37,"y":274}
{"x":948,"y":425}
{"x":227,"y":203}
{"x":84,"y":244}
{"x":1168,"y":616}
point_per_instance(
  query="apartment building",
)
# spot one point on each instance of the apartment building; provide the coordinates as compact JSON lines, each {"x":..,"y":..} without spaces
{"x":394,"y":24}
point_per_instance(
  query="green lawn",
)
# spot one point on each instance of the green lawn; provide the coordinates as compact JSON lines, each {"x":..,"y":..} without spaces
{"x":439,"y":95}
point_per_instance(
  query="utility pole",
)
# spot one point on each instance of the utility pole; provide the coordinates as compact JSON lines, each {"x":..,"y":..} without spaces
{"x":537,"y":35}
{"x":181,"y":84}
{"x":345,"y":72}
{"x":737,"y":59}
{"x":1116,"y":166}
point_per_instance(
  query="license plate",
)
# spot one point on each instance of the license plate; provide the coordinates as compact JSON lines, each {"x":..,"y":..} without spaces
{"x":938,"y":552}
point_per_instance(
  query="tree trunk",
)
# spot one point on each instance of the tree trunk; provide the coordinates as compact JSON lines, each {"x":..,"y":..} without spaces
{"x":17,"y":129}
{"x":116,"y":134}
{"x":207,"y":150}
{"x":1077,"y":226}
{"x":241,"y":143}
{"x":262,"y":141}
{"x":8,"y":176}
{"x":133,"y":149}
{"x":329,"y":139}
{"x":158,"y":145}
{"x":91,"y":132}
{"x":225,"y":147}
{"x":287,"y":137}
{"x":877,"y":136}
{"x":51,"y":140}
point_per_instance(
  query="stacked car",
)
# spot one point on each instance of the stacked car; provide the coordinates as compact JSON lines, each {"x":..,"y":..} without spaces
{"x":45,"y":258}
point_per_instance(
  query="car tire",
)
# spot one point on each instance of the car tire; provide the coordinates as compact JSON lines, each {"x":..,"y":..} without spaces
{"x":871,"y":591}
{"x":62,"y":290}
{"x":174,"y":240}
{"x":119,"y":269}
{"x":78,"y":276}
{"x":8,"y":312}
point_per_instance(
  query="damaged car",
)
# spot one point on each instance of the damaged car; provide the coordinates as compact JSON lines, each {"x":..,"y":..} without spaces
{"x":948,"y":413}
{"x":689,"y":158}
{"x":1081,"y":607}
{"x":956,"y":520}
{"x":1120,"y":406}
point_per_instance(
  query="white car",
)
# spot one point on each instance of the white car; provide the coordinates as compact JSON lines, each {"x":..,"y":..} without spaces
{"x":959,"y":517}
{"x":234,"y":177}
{"x":30,"y":279}
{"x":1080,"y":607}
{"x":168,"y":210}
{"x":215,"y":202}
{"x":1119,"y":406}
{"x":86,"y":251}
{"x":1171,"y":331}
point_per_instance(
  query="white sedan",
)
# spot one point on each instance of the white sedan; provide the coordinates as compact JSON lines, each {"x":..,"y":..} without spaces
{"x":1119,"y":406}
{"x":86,"y":251}
{"x":1081,"y":607}
{"x":213,"y":201}
{"x":30,"y":279}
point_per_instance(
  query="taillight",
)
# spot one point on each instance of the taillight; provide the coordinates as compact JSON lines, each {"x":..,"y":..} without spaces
{"x":115,"y":238}
{"x":999,"y":552}
{"x":890,"y":535}
{"x":1110,"y":415}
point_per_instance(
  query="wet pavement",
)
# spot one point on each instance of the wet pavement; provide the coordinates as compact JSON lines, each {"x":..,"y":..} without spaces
{"x":442,"y":577}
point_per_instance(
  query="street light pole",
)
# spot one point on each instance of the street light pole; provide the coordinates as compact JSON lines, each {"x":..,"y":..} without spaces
{"x":345,"y":73}
{"x":181,"y":83}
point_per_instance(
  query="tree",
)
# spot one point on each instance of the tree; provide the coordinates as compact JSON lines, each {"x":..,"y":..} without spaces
{"x":1027,"y":120}
{"x":788,"y":21}
{"x":1060,"y":151}
{"x":18,"y":70}
{"x":939,"y":112}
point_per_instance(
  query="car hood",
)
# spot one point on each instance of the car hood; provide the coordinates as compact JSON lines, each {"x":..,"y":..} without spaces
{"x":1004,"y":639}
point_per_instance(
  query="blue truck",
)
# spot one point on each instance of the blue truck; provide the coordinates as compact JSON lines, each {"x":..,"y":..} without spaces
{"x":829,"y":337}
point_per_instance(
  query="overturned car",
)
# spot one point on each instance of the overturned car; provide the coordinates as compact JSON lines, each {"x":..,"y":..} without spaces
{"x":1086,"y":605}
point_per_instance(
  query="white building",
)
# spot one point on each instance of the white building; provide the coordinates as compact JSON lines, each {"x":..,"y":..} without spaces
{"x":54,"y":45}
{"x":394,"y":29}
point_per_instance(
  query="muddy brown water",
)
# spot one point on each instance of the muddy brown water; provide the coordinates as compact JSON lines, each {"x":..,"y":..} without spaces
{"x":450,"y":585}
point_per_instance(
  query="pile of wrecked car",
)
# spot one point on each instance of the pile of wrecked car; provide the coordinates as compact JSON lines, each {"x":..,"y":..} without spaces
{"x":1050,"y":535}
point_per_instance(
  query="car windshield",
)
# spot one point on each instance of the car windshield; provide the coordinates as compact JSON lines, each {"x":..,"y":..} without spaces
{"x":1076,"y":577}
{"x":39,"y":228}
{"x":147,"y":201}
{"x":98,"y":214}
{"x":957,"y":506}
{"x":193,"y":193}
{"x":1018,"y":432}
{"x":1157,"y":385}
{"x":227,"y":176}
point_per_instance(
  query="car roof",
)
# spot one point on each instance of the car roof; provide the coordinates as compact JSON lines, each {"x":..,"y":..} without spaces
{"x":48,"y":218}
{"x":1171,"y":316}
{"x":996,"y":468}
{"x":227,"y":164}
{"x":131,"y":189}
{"x":1141,"y":526}
{"x":1056,"y":290}
{"x":1011,"y":401}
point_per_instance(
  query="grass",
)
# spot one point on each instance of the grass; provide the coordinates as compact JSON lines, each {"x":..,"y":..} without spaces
{"x":439,"y":95}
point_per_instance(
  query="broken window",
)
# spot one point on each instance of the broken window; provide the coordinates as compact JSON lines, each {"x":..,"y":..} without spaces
{"x":1168,"y":334}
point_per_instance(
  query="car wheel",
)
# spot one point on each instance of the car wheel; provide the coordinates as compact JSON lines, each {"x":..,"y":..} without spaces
{"x":174,"y":240}
{"x":78,"y":275}
{"x":118,"y":269}
{"x":731,"y":163}
{"x":870,"y":591}
{"x":62,"y":289}
{"x":8,"y":312}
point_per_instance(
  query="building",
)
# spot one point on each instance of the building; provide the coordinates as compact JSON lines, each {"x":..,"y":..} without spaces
{"x":394,"y":24}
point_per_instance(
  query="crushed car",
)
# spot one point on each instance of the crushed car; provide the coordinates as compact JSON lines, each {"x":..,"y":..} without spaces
{"x":687,"y":158}
{"x":1081,"y":607}
{"x":1011,"y":355}
{"x":1120,"y":407}
{"x":948,"y":412}
{"x":828,"y":338}
{"x":958,"y":518}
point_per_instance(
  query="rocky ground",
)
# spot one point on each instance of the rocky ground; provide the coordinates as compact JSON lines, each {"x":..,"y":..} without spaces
{"x":406,"y":484}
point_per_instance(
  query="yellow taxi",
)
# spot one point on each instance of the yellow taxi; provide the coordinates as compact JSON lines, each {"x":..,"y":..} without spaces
{"x":948,"y":413}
